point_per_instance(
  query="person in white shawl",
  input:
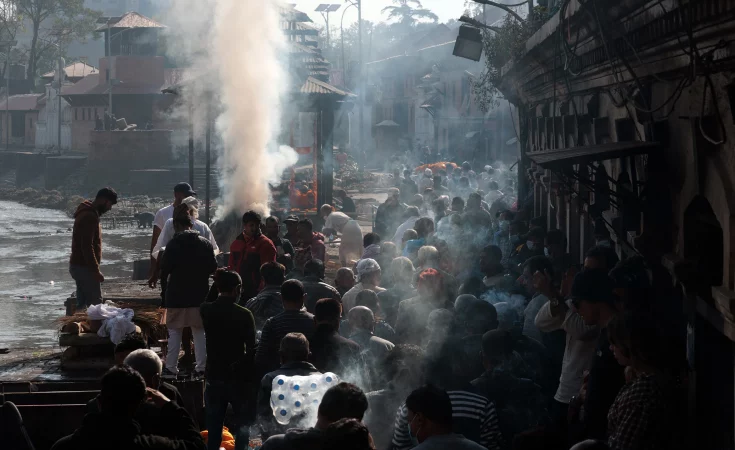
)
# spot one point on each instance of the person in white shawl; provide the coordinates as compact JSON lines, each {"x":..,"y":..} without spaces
{"x":350,"y":249}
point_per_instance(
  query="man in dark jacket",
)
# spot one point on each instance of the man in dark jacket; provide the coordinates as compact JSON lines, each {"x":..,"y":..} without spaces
{"x":314,"y":286}
{"x":294,"y":354}
{"x":534,"y":246}
{"x":230,"y":332}
{"x":268,"y":301}
{"x":342,"y":401}
{"x":293,"y":319}
{"x":123,"y":390}
{"x":86,"y":247}
{"x":284,"y":248}
{"x":187,"y":264}
{"x":389,"y":214}
{"x":331,"y":352}
{"x":248,"y":252}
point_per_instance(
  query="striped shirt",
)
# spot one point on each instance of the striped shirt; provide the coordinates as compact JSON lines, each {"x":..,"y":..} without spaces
{"x":274,"y":329}
{"x":473,"y":416}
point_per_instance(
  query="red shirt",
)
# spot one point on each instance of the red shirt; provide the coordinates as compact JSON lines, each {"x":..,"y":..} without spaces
{"x":247,"y":254}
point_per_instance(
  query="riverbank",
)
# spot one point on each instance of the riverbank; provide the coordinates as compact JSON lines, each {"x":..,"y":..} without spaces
{"x":55,"y":200}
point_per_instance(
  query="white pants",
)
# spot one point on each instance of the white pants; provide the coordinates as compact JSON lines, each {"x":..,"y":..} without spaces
{"x":351,"y":247}
{"x":174,"y":345}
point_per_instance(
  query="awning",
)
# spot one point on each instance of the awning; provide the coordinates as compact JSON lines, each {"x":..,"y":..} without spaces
{"x":556,"y":159}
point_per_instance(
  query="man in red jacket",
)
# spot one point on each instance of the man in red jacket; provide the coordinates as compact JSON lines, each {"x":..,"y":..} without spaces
{"x":250,"y":251}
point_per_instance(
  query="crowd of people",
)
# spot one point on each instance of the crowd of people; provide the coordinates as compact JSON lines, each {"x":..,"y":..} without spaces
{"x":459,"y":322}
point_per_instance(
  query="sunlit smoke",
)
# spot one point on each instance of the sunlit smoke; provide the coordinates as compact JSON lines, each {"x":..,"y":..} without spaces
{"x":234,"y":51}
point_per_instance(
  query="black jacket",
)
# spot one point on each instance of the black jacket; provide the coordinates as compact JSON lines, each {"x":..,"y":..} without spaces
{"x":187,"y":264}
{"x":315,"y":290}
{"x":112,"y":433}
{"x":296,"y":439}
{"x":331,"y":352}
{"x":230,"y":331}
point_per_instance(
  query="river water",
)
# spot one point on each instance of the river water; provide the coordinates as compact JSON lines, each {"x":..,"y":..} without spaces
{"x":34,"y":270}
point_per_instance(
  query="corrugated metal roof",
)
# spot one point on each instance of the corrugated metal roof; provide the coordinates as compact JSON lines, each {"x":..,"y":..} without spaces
{"x":133,"y":20}
{"x":556,"y":159}
{"x":74,"y":70}
{"x":23,"y":102}
{"x":314,"y":86}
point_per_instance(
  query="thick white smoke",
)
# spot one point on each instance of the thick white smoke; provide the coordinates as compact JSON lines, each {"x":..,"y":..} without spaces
{"x":236,"y":60}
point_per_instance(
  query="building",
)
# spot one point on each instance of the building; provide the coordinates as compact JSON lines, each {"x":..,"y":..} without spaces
{"x":427,"y":93}
{"x":19,"y":115}
{"x":627,"y":127}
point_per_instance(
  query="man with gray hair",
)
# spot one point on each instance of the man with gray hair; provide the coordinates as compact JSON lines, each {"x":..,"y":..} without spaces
{"x":147,"y":363}
{"x":294,"y":355}
{"x":368,"y":277}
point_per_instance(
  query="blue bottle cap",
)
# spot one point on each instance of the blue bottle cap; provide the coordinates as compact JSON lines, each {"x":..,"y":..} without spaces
{"x":281,"y":396}
{"x":284,"y":412}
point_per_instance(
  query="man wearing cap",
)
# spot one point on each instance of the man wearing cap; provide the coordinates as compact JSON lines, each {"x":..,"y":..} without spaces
{"x":181,"y":191}
{"x":292,"y":229}
{"x":581,"y":339}
{"x":168,"y":233}
{"x":86,"y":247}
{"x":368,"y":277}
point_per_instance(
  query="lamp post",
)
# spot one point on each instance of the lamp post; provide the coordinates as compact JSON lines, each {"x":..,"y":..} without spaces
{"x":342,"y":37}
{"x":325,"y":9}
{"x":9,"y":45}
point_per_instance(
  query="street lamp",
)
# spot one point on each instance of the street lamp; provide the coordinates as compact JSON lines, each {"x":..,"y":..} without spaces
{"x":325,"y":9}
{"x":469,"y":43}
{"x":342,"y":37}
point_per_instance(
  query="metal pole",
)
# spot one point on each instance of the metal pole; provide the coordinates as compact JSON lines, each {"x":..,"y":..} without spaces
{"x":342,"y":37}
{"x":361,"y":93}
{"x":191,"y":146}
{"x":208,"y":138}
{"x":326,"y":18}
{"x":58,"y":94}
{"x":109,"y":66}
{"x":7,"y":100}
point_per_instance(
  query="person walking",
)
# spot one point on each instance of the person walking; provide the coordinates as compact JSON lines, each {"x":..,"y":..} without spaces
{"x":186,"y":266}
{"x":181,"y":191}
{"x":86,"y":247}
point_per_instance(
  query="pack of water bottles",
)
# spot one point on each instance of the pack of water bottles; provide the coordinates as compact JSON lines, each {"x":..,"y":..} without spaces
{"x":299,"y":396}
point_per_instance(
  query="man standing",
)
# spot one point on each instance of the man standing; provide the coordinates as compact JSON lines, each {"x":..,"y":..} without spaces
{"x":230,"y":330}
{"x":188,"y":261}
{"x":268,"y":301}
{"x":86,"y":247}
{"x":331,"y":352}
{"x":292,"y":229}
{"x":389,"y":213}
{"x":284,"y":247}
{"x":181,"y":191}
{"x":248,"y":252}
{"x":315,"y":288}
{"x":310,"y":246}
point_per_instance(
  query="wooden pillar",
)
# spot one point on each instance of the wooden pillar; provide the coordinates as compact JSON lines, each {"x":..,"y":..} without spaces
{"x":325,"y":152}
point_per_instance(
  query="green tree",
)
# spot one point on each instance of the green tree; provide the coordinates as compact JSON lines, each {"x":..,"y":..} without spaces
{"x":406,"y":15}
{"x":54,"y":24}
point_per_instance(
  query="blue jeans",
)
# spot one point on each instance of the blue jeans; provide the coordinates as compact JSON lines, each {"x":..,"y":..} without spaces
{"x":217,"y":395}
{"x":89,"y":291}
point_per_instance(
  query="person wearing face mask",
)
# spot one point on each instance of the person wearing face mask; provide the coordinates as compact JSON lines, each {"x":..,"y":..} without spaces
{"x":430,"y":422}
{"x":86,"y":247}
{"x":534,"y":246}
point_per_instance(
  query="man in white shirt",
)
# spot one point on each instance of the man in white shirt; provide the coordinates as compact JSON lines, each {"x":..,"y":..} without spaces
{"x":181,"y":191}
{"x":581,"y":341}
{"x":350,"y":249}
{"x":168,"y":232}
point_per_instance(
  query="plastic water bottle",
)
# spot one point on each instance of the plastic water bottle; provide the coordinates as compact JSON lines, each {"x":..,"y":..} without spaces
{"x":297,"y":405}
{"x":328,"y":380}
{"x":280,"y":383}
{"x":283,"y":415}
{"x":279,"y":399}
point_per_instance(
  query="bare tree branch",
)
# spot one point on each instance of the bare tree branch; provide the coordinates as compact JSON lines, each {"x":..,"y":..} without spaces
{"x":503,"y":7}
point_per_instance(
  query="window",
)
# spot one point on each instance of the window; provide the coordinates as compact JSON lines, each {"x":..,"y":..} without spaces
{"x":76,"y":116}
{"x":84,"y":114}
{"x":89,"y":113}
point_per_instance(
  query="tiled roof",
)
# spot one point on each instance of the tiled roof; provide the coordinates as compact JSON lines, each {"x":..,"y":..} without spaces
{"x":132,"y":20}
{"x":73,"y":70}
{"x":314,"y":86}
{"x":23,"y":102}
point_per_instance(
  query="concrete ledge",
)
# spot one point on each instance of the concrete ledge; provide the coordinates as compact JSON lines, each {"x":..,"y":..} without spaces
{"x":58,"y":168}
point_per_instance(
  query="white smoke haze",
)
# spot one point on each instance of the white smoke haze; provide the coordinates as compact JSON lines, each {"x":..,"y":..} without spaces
{"x":236,"y":60}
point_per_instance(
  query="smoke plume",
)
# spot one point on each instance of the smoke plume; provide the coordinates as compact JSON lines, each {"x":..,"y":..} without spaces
{"x":235,"y":55}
